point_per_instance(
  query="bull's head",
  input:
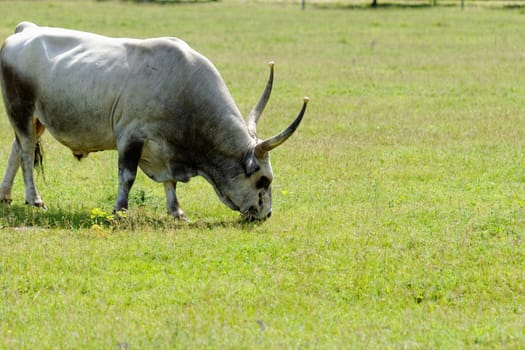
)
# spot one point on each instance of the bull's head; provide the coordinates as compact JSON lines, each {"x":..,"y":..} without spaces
{"x":250,"y":191}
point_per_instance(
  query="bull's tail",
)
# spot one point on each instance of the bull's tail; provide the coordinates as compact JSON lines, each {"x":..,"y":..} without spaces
{"x":39,"y":149}
{"x":39,"y":159}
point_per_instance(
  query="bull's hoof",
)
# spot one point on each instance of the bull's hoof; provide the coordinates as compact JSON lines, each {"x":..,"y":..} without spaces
{"x":179,"y":215}
{"x":38,"y":205}
{"x":120,"y":214}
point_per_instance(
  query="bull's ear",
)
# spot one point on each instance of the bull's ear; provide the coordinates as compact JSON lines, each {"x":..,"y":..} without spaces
{"x":250,"y":163}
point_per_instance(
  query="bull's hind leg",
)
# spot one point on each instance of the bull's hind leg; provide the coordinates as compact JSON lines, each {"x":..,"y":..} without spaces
{"x":27,"y":146}
{"x":13,"y":163}
{"x":21,"y":156}
{"x":20,"y":105}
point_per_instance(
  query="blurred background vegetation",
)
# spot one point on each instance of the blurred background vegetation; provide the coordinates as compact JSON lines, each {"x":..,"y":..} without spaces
{"x":367,"y":3}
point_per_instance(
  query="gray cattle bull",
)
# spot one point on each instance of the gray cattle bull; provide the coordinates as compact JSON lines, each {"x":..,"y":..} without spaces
{"x":160,"y":104}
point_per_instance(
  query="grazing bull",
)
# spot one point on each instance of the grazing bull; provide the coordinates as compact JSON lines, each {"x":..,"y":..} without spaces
{"x":163,"y":106}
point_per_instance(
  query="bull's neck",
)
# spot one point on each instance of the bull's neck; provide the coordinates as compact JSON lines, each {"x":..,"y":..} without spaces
{"x":231,"y":137}
{"x":218,"y":121}
{"x":221,"y":150}
{"x":223,"y":130}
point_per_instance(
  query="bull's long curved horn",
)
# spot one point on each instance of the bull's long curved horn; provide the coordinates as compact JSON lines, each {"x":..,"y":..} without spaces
{"x":255,"y":113}
{"x":267,"y":145}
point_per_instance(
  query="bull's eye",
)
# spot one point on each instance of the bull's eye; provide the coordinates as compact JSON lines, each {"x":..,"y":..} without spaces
{"x":263,"y":182}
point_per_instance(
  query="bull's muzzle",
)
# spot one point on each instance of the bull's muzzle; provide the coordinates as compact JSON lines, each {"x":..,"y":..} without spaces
{"x":253,"y":214}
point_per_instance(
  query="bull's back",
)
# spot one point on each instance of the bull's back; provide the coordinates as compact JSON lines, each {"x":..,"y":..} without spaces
{"x":69,"y":66}
{"x":86,"y":86}
{"x":85,"y":83}
{"x":65,"y":63}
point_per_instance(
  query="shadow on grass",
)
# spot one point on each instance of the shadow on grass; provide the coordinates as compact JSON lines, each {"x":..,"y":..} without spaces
{"x":212,"y":224}
{"x":18,"y":216}
{"x":23,"y":216}
{"x":392,"y":5}
{"x":512,"y":7}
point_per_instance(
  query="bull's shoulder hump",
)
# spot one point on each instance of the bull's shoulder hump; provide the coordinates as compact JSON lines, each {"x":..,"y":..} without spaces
{"x":167,"y":44}
{"x":169,"y":50}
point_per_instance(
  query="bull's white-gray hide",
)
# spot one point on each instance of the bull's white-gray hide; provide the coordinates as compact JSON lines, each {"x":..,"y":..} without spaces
{"x":160,"y":104}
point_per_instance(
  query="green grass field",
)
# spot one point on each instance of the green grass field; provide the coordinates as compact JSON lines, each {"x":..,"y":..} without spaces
{"x":399,"y":205}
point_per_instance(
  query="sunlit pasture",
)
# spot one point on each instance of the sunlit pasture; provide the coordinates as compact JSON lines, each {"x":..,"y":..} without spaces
{"x":399,"y":204}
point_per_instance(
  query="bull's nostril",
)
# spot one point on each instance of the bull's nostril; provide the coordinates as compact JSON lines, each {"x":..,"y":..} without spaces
{"x":269,"y":214}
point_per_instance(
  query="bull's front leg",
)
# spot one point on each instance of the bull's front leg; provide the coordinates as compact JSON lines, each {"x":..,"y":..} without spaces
{"x":172,"y":203}
{"x":128,"y":161}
